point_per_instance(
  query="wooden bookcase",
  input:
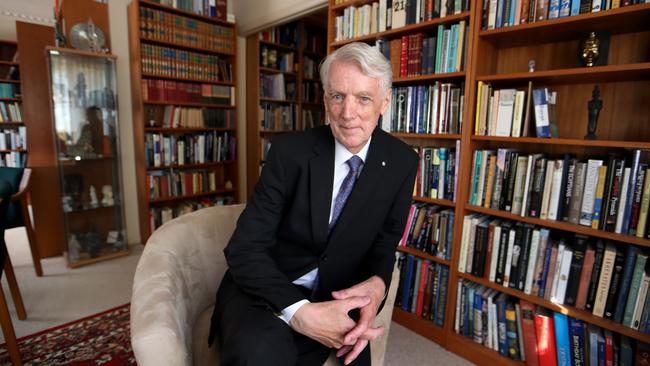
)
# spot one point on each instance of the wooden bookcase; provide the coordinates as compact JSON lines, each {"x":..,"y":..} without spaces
{"x":307,"y":48}
{"x":11,"y":119}
{"x":500,"y":56}
{"x":172,"y":49}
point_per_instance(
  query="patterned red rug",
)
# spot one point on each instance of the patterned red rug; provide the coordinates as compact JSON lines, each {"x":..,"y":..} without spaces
{"x":100,"y":339}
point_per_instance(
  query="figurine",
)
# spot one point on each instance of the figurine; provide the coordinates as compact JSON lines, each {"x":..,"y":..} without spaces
{"x":590,"y":50}
{"x":593,"y":106}
{"x":73,"y":248}
{"x":93,"y":196}
{"x":107,"y":195}
{"x":531,"y":65}
{"x":93,"y":245}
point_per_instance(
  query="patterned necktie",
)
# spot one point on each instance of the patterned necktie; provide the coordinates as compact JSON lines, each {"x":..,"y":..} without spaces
{"x":354,"y":163}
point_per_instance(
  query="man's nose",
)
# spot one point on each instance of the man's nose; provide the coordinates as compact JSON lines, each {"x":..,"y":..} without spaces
{"x":349,"y":108}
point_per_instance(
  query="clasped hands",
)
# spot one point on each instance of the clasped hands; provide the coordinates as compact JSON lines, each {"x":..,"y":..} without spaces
{"x":328,"y":322}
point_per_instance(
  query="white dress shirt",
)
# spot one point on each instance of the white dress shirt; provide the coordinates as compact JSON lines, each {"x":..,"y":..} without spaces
{"x":341,"y":169}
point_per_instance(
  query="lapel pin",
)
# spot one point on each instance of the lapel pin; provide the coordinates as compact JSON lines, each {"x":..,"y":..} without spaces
{"x":383,"y":163}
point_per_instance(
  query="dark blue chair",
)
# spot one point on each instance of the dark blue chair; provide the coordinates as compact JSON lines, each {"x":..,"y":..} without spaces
{"x":6,"y":192}
{"x":18,"y":212}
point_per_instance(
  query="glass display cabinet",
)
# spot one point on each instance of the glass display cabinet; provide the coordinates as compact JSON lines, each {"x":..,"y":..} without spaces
{"x":83,"y":89}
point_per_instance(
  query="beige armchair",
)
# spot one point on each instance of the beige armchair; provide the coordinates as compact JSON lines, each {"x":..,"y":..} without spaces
{"x":175,"y":286}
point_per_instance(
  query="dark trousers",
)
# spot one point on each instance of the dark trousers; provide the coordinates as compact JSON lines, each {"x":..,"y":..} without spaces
{"x":249,"y":333}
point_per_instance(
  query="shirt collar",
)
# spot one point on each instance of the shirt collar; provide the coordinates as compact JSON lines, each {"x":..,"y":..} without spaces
{"x":342,"y":154}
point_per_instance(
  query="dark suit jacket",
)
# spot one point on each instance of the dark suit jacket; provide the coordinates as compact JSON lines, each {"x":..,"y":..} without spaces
{"x":283,"y":232}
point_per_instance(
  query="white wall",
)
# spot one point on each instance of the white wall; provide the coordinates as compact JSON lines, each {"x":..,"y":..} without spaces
{"x":255,"y":15}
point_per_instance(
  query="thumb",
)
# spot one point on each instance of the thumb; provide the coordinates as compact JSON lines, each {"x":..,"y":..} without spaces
{"x":340,"y":294}
{"x":372,"y":333}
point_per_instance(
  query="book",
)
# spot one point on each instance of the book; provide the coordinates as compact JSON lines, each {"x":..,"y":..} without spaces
{"x":585,"y":276}
{"x":589,"y":192}
{"x":606,"y":271}
{"x":634,"y":285}
{"x":615,"y":284}
{"x":540,"y":102}
{"x":528,"y":330}
{"x":577,"y":341}
{"x":628,"y":271}
{"x":575,"y":271}
{"x":545,"y":334}
{"x":562,"y":341}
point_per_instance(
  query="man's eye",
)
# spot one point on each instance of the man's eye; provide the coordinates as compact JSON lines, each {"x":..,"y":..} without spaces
{"x":365,"y":100}
{"x":337,"y":98}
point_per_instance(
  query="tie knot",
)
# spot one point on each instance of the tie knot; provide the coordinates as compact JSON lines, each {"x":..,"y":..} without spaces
{"x":355,"y":163}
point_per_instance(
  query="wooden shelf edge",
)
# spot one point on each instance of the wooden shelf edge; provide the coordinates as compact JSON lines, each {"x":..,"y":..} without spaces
{"x":187,"y":129}
{"x":568,"y":142}
{"x":10,"y":63}
{"x":191,"y":196}
{"x":212,"y":51}
{"x":84,"y":262}
{"x":270,"y":70}
{"x":189,"y":14}
{"x":561,"y":225}
{"x":435,"y":201}
{"x":405,"y":29}
{"x":278,"y":45}
{"x":180,"y":78}
{"x":578,"y":73}
{"x":191,"y":166}
{"x":441,"y":136}
{"x":430,"y":77}
{"x":477,"y":353}
{"x":421,"y":254}
{"x":188,"y":104}
{"x":421,"y":326}
{"x":564,"y":309}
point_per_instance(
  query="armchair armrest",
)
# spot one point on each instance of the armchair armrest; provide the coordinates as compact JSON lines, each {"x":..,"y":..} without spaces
{"x":24,"y":185}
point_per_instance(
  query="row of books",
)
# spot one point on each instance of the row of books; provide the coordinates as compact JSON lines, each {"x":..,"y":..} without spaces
{"x":209,"y":8}
{"x":10,"y":112}
{"x":167,"y":61}
{"x":168,"y":27}
{"x":277,"y":87}
{"x":522,"y":331}
{"x":314,"y":40}
{"x":312,"y":118}
{"x":588,"y":274}
{"x":278,"y":117}
{"x":310,"y":67}
{"x":161,"y":215}
{"x":429,"y":228}
{"x":507,"y":13}
{"x":177,"y":183}
{"x":185,"y":117}
{"x":438,"y":172}
{"x":612,"y":197}
{"x":279,"y":60}
{"x":508,"y":112}
{"x":434,"y":109}
{"x":420,"y":54}
{"x":422,"y":288}
{"x":13,"y":139}
{"x":286,"y":34}
{"x":13,"y":159}
{"x":166,"y":150}
{"x":177,"y":91}
{"x":312,"y":92}
{"x":392,"y":14}
{"x":8,"y":90}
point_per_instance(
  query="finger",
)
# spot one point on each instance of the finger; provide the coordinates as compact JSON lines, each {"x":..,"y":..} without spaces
{"x":356,"y":350}
{"x":343,"y":350}
{"x":355,"y":302}
{"x":372,"y":333}
{"x":364,"y":322}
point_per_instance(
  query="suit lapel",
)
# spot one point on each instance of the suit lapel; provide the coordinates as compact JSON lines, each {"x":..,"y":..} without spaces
{"x":371,"y":176}
{"x":321,"y":176}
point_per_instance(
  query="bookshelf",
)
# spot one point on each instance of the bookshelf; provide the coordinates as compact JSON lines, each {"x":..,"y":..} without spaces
{"x":288,"y":56}
{"x":183,"y":67}
{"x":13,"y":133}
{"x":500,"y":57}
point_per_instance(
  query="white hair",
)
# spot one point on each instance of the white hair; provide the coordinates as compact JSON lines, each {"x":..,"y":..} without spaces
{"x":371,"y":62}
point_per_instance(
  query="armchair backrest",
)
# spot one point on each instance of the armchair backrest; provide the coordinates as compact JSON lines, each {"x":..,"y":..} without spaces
{"x":14,"y":177}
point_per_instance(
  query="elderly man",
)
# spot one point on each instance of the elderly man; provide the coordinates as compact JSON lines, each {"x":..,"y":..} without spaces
{"x":315,"y":244}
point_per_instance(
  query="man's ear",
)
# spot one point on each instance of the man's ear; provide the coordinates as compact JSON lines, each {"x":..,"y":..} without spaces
{"x":386,"y":100}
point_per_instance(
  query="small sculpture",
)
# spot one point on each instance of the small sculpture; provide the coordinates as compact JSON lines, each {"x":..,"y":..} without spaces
{"x":73,"y":248}
{"x":93,"y":196}
{"x":531,"y":65}
{"x":590,"y":50}
{"x":107,"y":195}
{"x":593,"y":106}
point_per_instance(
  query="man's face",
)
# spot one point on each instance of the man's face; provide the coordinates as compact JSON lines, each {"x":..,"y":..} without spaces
{"x":353,"y":104}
